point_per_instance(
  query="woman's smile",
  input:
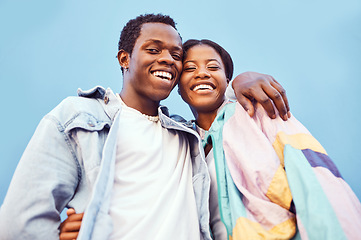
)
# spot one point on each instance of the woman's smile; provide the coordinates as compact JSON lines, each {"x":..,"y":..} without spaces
{"x":203,"y":81}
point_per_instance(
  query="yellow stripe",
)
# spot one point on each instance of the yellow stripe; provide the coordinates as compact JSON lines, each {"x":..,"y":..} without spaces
{"x":279,"y":191}
{"x":299,"y":141}
{"x":246,"y":229}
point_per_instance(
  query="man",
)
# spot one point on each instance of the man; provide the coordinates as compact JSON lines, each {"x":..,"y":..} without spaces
{"x":120,"y":159}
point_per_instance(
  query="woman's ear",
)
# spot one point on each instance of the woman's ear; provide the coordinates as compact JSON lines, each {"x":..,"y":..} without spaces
{"x":123,"y":59}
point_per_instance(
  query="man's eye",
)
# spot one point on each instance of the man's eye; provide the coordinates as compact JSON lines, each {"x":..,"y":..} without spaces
{"x":153,"y":50}
{"x":177,"y":57}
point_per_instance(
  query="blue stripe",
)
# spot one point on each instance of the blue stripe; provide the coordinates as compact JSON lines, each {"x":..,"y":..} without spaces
{"x":317,"y":159}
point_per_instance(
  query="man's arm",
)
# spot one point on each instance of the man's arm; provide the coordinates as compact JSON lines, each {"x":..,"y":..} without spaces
{"x":43,"y":183}
{"x":252,"y":86}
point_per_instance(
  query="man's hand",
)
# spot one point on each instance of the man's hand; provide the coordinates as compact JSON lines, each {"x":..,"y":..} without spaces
{"x":69,"y":229}
{"x":252,"y":86}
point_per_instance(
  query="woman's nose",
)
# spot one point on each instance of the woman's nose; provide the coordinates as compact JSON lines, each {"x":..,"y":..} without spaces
{"x":203,"y":73}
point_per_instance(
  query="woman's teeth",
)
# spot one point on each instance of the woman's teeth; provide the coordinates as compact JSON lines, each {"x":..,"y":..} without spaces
{"x":203,"y":87}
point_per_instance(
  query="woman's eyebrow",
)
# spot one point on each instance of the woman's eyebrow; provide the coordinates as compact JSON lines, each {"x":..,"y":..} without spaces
{"x":208,"y":60}
{"x":212,"y":59}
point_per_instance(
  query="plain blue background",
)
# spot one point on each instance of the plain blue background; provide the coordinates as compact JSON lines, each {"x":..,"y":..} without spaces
{"x":312,"y":47}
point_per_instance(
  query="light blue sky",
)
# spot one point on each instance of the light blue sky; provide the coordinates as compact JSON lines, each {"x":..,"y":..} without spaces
{"x":313,"y":48}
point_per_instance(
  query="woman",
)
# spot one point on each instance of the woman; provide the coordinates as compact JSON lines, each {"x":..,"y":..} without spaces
{"x":252,"y":196}
{"x":269,"y":172}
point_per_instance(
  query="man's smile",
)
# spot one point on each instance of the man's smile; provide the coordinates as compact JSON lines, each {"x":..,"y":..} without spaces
{"x":163,"y":75}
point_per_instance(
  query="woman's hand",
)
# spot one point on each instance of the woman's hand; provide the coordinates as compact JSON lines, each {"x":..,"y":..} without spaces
{"x":253,"y":86}
{"x":69,"y":229}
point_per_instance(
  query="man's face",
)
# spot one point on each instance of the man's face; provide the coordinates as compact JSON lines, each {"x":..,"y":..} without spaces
{"x":155,"y":64}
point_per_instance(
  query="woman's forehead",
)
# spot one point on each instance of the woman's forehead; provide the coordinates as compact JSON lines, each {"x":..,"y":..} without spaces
{"x":202,"y":52}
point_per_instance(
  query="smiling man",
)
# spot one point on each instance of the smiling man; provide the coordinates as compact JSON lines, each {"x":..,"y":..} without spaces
{"x":153,"y":188}
{"x":152,"y":67}
{"x":119,"y":158}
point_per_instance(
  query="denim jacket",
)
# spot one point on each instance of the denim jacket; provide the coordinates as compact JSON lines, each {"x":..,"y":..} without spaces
{"x":69,"y":162}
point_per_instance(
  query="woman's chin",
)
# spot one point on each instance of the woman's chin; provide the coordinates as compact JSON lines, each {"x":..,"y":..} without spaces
{"x":204,"y":106}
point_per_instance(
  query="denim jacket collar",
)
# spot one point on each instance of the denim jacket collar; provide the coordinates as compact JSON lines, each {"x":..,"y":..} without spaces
{"x":109,"y":101}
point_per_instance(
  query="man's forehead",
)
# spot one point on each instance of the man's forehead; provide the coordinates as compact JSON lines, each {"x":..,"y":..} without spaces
{"x":159,"y":33}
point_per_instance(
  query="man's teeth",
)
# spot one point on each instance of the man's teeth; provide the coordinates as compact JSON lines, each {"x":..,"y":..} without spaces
{"x":202,"y":87}
{"x":162,"y":74}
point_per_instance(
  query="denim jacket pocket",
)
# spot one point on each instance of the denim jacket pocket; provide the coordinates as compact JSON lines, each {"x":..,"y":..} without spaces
{"x":87,"y":122}
{"x":88,"y":136}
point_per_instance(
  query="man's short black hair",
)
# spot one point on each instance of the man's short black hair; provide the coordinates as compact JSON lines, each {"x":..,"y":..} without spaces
{"x":131,"y":30}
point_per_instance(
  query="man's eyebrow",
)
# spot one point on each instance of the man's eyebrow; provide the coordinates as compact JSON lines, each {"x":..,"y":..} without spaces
{"x":154,"y":41}
{"x":157,"y":41}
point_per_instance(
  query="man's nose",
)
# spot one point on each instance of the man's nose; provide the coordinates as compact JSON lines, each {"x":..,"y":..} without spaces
{"x":166,"y":57}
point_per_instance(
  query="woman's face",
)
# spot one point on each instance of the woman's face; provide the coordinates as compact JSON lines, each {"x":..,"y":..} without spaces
{"x":203,"y":81}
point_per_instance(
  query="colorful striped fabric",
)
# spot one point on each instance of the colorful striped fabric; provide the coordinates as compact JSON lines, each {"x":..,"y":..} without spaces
{"x":275,"y":180}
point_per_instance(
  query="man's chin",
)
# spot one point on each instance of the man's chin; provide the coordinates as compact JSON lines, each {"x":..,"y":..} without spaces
{"x":160,"y":96}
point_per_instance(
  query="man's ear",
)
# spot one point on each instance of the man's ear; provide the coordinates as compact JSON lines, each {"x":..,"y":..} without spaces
{"x":123,"y":58}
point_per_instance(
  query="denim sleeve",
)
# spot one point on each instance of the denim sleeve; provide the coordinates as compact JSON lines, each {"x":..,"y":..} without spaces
{"x":230,"y":94}
{"x":44,"y":182}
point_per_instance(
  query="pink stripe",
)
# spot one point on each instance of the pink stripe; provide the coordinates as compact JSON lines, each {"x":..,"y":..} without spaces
{"x":301,"y":229}
{"x":252,"y":162}
{"x":250,"y":157}
{"x":270,"y":127}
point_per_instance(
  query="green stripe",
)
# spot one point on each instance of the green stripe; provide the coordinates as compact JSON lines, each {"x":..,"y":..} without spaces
{"x":229,"y":198}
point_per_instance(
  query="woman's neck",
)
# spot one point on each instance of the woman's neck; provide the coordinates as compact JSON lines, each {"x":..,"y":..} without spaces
{"x":205,"y":117}
{"x":205,"y":120}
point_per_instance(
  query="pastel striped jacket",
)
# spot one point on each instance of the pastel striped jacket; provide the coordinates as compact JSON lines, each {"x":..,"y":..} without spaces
{"x":275,"y":180}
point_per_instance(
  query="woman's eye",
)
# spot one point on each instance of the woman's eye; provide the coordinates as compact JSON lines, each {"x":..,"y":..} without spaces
{"x":213,"y":67}
{"x":189,"y":69}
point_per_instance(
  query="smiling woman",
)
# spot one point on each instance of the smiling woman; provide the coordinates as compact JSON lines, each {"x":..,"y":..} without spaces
{"x":264,"y":173}
{"x":206,"y":73}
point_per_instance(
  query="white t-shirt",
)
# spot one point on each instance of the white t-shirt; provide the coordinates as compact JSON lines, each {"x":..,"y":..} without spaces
{"x":153,"y":194}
